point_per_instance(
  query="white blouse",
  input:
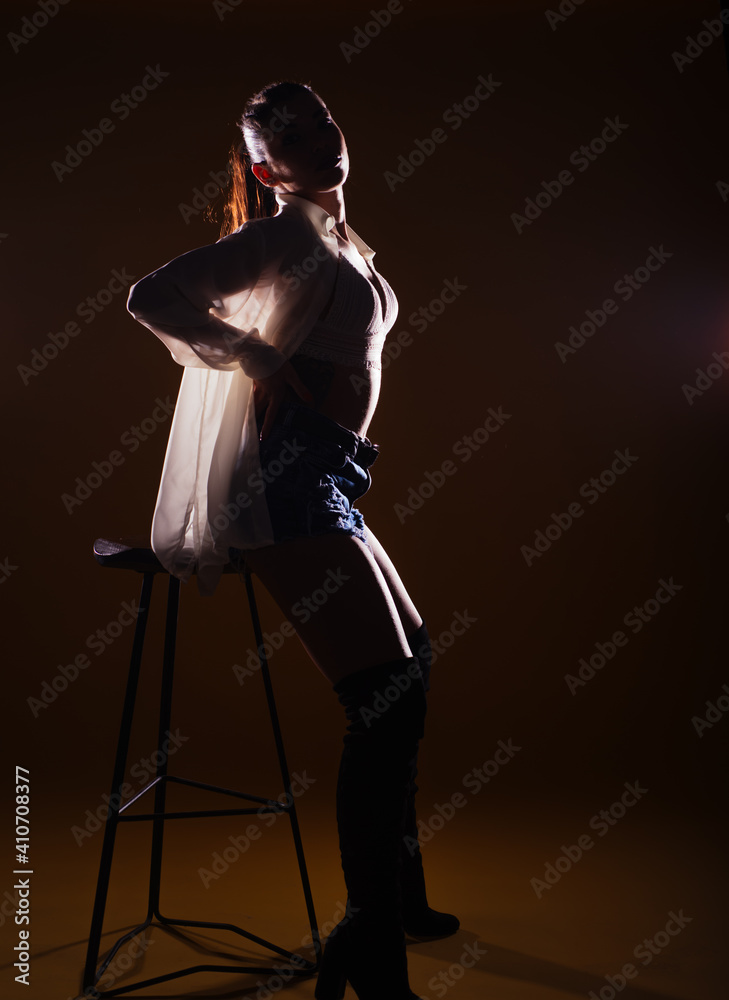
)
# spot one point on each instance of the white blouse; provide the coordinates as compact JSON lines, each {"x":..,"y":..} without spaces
{"x":230,"y":312}
{"x":361,"y":314}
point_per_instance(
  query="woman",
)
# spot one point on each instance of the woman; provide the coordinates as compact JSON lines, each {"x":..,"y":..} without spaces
{"x":280,"y":327}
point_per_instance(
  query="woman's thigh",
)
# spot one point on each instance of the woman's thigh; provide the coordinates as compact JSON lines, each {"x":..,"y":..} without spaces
{"x":409,"y":616}
{"x":333,"y":591}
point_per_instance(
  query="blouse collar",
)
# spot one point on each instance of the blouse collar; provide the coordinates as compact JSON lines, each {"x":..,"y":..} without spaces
{"x":322,"y":221}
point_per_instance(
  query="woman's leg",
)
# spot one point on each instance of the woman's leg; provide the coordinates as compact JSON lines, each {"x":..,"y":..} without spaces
{"x":334,"y":593}
{"x":409,"y":617}
{"x":419,"y":918}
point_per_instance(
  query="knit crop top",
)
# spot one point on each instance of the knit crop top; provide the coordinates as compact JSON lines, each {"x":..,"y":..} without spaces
{"x":353,"y":326}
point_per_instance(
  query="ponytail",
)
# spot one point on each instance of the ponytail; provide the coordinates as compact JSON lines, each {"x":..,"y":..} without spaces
{"x":246,"y":197}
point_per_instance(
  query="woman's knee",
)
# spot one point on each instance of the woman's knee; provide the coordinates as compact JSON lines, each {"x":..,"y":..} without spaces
{"x":387,"y":700}
{"x":420,"y":646}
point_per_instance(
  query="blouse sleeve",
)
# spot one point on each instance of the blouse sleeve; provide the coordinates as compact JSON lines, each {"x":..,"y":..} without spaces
{"x":174,"y":302}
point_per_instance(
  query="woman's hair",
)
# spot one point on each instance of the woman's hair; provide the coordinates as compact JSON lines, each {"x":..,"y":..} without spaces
{"x":245,"y":197}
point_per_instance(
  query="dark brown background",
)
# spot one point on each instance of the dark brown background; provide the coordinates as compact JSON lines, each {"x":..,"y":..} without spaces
{"x":666,"y":517}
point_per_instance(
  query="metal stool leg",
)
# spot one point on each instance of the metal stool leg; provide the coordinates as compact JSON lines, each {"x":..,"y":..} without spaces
{"x":165,"y":716}
{"x":300,"y":966}
{"x":283,"y":765}
{"x":91,"y":975}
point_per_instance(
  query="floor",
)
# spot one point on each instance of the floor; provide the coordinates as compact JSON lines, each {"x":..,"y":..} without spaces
{"x":605,"y":926}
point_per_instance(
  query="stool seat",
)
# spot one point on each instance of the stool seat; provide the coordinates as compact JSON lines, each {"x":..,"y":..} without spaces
{"x":134,"y":552}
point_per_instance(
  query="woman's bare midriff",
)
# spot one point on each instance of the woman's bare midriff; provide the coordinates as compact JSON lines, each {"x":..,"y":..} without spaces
{"x":342,"y":393}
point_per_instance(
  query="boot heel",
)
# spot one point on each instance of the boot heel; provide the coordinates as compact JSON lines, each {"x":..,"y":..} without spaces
{"x":332,"y":979}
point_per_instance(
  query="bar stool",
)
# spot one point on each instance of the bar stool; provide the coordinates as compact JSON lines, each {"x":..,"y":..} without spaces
{"x":135,"y":553}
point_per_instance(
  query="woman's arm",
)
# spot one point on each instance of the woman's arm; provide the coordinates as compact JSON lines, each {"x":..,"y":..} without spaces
{"x":174,"y":302}
{"x":217,"y":344}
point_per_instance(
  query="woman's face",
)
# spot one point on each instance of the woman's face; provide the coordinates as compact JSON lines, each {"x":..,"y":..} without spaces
{"x":306,"y":149}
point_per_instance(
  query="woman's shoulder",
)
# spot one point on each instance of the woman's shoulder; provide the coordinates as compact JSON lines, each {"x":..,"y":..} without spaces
{"x":278,"y":238}
{"x":284,"y":224}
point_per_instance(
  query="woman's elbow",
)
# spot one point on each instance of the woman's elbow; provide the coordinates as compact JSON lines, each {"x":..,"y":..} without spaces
{"x":138,"y":300}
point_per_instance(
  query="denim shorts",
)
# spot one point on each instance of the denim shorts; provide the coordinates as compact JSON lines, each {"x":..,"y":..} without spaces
{"x":314,"y":470}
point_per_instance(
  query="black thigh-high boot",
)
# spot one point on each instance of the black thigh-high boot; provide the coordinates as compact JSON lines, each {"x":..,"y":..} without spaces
{"x":385,"y":707}
{"x":419,"y":919}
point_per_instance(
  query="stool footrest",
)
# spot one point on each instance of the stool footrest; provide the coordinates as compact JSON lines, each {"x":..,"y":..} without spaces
{"x":196,"y":813}
{"x":299,"y":966}
{"x":135,"y":554}
{"x":267,"y":805}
